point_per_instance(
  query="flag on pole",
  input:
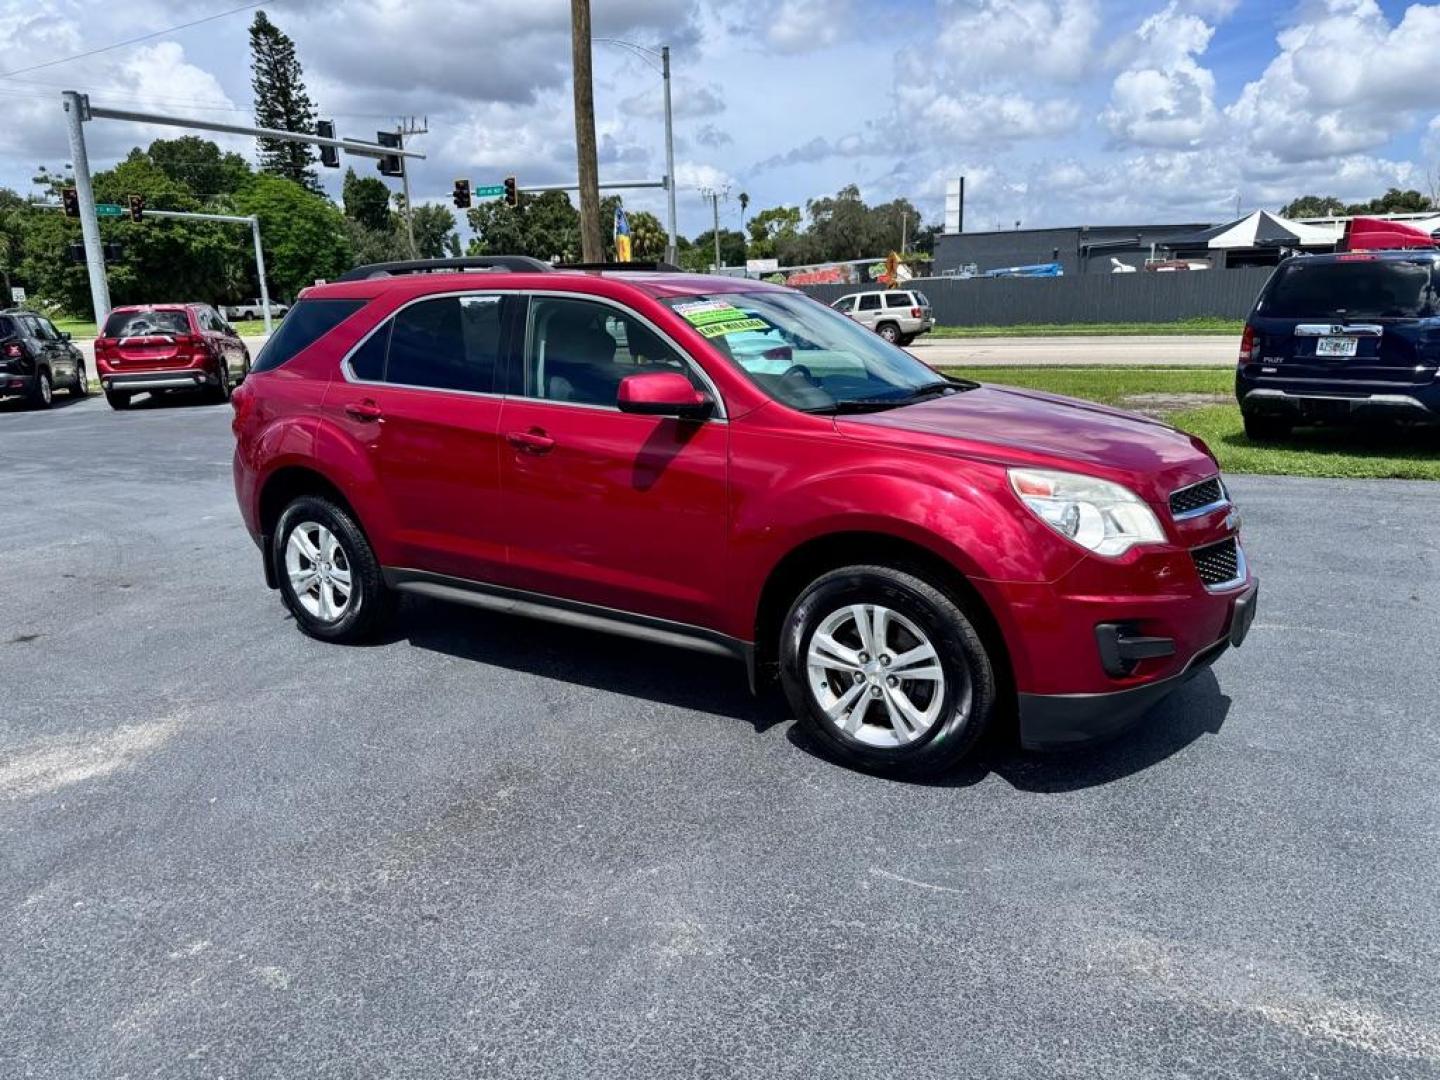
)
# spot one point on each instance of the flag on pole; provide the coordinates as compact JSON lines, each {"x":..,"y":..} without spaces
{"x":622,"y":235}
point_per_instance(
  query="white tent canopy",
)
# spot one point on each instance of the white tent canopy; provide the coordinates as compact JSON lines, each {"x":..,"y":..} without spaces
{"x":1261,"y":229}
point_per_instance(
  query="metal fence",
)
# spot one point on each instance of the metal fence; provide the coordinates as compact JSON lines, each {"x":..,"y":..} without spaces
{"x":1083,"y":298}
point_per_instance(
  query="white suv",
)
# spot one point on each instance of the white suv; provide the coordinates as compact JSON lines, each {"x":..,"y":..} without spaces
{"x":897,"y":315}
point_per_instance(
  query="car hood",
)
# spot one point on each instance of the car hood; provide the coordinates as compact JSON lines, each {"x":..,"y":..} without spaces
{"x":1027,"y":427}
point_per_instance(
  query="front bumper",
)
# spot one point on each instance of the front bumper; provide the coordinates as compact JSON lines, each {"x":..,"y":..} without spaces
{"x":1058,"y":721}
{"x":174,"y":379}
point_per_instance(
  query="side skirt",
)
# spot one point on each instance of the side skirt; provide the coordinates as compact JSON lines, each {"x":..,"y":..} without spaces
{"x":571,"y":613}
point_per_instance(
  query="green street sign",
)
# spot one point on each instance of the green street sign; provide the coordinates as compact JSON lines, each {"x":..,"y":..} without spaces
{"x":110,"y":209}
{"x":489,"y":191}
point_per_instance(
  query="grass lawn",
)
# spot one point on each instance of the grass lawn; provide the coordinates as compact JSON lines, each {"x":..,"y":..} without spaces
{"x":1185,"y":398}
{"x":83,"y":329}
{"x":1206,"y":325}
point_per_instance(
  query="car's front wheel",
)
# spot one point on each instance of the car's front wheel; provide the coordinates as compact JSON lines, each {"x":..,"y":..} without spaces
{"x":329,"y":577}
{"x":886,"y":671}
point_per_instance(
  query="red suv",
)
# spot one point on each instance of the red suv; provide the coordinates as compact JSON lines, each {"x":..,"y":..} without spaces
{"x":730,"y":466}
{"x":162,"y":347}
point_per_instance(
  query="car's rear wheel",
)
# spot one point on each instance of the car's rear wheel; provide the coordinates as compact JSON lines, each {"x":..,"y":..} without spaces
{"x":886,"y":671}
{"x":906,"y":340}
{"x":82,"y":383}
{"x":1260,"y":428}
{"x":118,"y":399}
{"x":889,"y":331}
{"x":329,"y":577}
{"x":43,"y":392}
{"x":220,"y":392}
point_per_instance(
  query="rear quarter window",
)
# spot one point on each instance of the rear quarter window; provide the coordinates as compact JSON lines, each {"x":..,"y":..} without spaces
{"x":307,"y":322}
{"x":901,"y":300}
{"x":1370,"y":289}
{"x":7,"y":326}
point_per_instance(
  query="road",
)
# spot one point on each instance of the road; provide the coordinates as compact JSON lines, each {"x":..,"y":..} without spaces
{"x":487,"y":847}
{"x":1218,"y":350}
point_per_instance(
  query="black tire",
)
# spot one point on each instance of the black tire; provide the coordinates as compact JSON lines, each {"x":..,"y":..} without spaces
{"x":889,"y":331}
{"x":43,"y":392}
{"x":969,"y":696}
{"x":82,"y":383}
{"x":118,"y":399}
{"x":371,"y":602}
{"x":220,"y":392}
{"x":1261,"y":428}
{"x":906,"y":340}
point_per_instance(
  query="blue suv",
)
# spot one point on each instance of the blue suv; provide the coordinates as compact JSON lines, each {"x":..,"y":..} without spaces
{"x":1340,"y":337}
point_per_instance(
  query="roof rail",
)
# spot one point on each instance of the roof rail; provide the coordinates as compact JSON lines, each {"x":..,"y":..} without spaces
{"x":518,"y":263}
{"x":661,"y":267}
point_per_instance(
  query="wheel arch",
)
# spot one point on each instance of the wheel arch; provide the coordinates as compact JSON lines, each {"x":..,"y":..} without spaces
{"x":279,"y":490}
{"x":821,"y":554}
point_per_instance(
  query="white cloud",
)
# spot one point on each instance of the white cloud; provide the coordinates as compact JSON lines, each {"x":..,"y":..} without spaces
{"x":964,"y":117}
{"x":689,"y":99}
{"x":1345,"y":80}
{"x":1164,"y":98}
{"x":795,"y":26}
{"x":1022,"y":39}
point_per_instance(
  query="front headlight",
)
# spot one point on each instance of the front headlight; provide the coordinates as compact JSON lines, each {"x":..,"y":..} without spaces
{"x":1105,"y":518}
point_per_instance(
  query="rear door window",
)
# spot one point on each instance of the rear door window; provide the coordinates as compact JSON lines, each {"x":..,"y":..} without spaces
{"x":7,"y":326}
{"x":146,"y":323}
{"x":308,"y":321}
{"x":1368,"y":289}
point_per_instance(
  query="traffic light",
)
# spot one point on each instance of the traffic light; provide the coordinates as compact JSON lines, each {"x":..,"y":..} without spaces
{"x":137,"y":207}
{"x":114,"y":252}
{"x":512,"y":195}
{"x":70,"y":199}
{"x":329,"y":155}
{"x":390,"y":164}
{"x":462,"y":195}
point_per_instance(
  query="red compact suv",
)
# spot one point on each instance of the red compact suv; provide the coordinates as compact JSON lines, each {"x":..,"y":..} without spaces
{"x":730,"y":466}
{"x":162,"y":347}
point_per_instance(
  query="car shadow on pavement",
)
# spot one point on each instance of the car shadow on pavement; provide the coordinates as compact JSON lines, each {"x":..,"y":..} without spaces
{"x":714,"y":685}
{"x":668,"y":676}
{"x":19,"y":404}
{"x":1196,"y":709}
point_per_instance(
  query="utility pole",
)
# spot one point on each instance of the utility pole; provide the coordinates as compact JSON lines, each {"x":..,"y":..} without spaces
{"x":408,"y":126}
{"x":904,"y":225}
{"x":672,"y":250}
{"x":76,"y":112}
{"x":591,"y":247}
{"x":715,"y":197}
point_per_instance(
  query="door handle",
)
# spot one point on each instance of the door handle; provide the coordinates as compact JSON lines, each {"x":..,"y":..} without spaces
{"x":534,"y":441}
{"x":365,"y":410}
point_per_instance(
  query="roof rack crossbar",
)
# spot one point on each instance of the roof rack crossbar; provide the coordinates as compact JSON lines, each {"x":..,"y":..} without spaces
{"x":660,"y":267}
{"x":517,"y":263}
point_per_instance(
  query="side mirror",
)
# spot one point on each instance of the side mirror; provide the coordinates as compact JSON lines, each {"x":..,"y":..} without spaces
{"x":663,"y":393}
{"x":64,"y":335}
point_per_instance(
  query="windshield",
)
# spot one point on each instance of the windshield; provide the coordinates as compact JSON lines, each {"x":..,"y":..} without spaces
{"x":807,"y":355}
{"x":1378,"y":289}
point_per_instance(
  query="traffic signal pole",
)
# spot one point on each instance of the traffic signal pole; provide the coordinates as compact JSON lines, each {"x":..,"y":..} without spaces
{"x":89,"y":223}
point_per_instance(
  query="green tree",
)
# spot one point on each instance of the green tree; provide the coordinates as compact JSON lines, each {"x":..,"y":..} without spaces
{"x":199,"y":165}
{"x":544,"y":226}
{"x":1313,"y":206}
{"x":774,"y":233}
{"x":281,"y":102}
{"x":1395,"y":201}
{"x":840,"y":226}
{"x":367,"y":200}
{"x":434,"y":227}
{"x":647,"y":236}
{"x":701,"y":255}
{"x":303,"y":233}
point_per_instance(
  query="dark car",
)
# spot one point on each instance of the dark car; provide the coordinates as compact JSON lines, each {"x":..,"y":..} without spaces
{"x":734,"y":467}
{"x":1339,"y":337}
{"x":162,"y":347}
{"x":36,"y":359}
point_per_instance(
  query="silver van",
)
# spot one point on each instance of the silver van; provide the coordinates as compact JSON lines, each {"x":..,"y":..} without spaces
{"x":897,"y":315}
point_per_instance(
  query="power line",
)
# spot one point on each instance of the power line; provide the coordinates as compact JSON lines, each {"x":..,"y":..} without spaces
{"x":136,"y":40}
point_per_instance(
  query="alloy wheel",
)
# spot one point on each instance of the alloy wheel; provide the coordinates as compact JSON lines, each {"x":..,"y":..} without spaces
{"x":876,"y":676}
{"x":319,"y":571}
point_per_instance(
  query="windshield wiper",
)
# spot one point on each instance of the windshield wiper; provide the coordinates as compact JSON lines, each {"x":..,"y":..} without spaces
{"x":879,"y":404}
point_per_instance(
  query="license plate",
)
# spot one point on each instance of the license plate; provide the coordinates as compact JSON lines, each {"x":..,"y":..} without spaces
{"x":1336,"y":346}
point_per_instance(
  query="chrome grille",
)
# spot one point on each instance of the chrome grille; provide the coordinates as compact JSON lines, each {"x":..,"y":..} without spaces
{"x":1196,"y":497}
{"x":1218,"y":564}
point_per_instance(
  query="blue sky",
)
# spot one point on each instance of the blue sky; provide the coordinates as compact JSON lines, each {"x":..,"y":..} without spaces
{"x":1056,"y":111}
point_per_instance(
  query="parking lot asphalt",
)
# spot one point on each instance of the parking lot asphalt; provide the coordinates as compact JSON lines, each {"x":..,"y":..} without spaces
{"x":487,"y":847}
